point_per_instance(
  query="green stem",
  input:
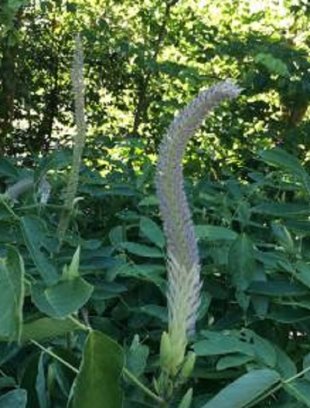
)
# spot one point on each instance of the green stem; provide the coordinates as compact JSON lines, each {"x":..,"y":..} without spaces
{"x":54,"y":355}
{"x":80,"y":325}
{"x":126,"y":372}
{"x":3,"y":200}
{"x":304,"y":371}
{"x":277,"y":387}
{"x":267,"y":394}
{"x":3,"y":373}
{"x":139,"y":384}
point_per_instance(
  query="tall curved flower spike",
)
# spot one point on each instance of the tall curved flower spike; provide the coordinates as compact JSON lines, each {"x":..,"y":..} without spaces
{"x":79,"y":138}
{"x":183,"y":259}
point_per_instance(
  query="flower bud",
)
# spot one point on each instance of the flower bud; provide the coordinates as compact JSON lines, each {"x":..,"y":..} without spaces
{"x":187,"y":399}
{"x":188,"y":365}
{"x":165,"y":352}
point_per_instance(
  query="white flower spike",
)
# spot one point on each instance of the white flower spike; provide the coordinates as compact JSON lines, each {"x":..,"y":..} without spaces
{"x":184,"y":282}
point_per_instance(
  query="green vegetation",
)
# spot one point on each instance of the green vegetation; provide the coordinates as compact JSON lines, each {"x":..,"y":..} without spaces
{"x":89,"y":315}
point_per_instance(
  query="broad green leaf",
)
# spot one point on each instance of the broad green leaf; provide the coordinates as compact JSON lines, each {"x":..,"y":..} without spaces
{"x":272,"y":64}
{"x":7,"y":351}
{"x":287,"y":315}
{"x":33,"y":232}
{"x":286,"y":266}
{"x":29,"y":378}
{"x":284,"y":160}
{"x":7,"y":382}
{"x":117,"y":235}
{"x":38,"y":297}
{"x":303,"y":273}
{"x":14,"y":399}
{"x":303,"y":303}
{"x":98,"y":383}
{"x":300,"y":389}
{"x":91,"y":245}
{"x":136,"y":357}
{"x":214,"y":233}
{"x":67,"y":297}
{"x":147,"y":272}
{"x":283,"y":237}
{"x":306,"y":365}
{"x":11,"y":295}
{"x":221,"y":343}
{"x":7,"y":169}
{"x":232,"y":360}
{"x":239,"y":342}
{"x":300,"y":227}
{"x":5,"y":215}
{"x":245,"y":389}
{"x":270,"y":259}
{"x":243,"y":299}
{"x":260,"y":303}
{"x":47,"y":328}
{"x":187,"y":399}
{"x":57,"y":159}
{"x":284,"y":365}
{"x":142,"y":250}
{"x":241,"y":262}
{"x":41,"y":384}
{"x":128,"y":216}
{"x":264,"y":350}
{"x":152,"y":231}
{"x":151,"y":200}
{"x":277,"y":288}
{"x":155,"y":311}
{"x":108,"y":290}
{"x":15,"y":4}
{"x":281,"y":209}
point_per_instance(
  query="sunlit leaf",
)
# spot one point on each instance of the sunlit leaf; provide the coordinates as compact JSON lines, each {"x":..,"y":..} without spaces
{"x":142,"y":250}
{"x":98,"y":383}
{"x":245,"y":389}
{"x":214,"y":233}
{"x":152,"y":231}
{"x":47,"y":328}
{"x":33,"y":232}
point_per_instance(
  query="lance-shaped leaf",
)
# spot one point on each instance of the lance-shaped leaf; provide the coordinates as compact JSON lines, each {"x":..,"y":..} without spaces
{"x":11,"y":295}
{"x":245,"y":389}
{"x":98,"y":383}
{"x":241,"y":262}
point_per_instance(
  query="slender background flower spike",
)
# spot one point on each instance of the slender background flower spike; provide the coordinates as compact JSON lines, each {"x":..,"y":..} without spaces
{"x":183,"y":259}
{"x":79,"y":139}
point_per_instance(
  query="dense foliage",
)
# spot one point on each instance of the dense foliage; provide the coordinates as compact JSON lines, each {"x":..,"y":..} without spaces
{"x":83,"y":254}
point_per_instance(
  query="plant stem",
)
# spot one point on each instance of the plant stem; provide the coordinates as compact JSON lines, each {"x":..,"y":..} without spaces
{"x":80,"y":325}
{"x":3,"y":200}
{"x":54,"y":355}
{"x":277,"y":387}
{"x":302,"y":372}
{"x":139,"y":384}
